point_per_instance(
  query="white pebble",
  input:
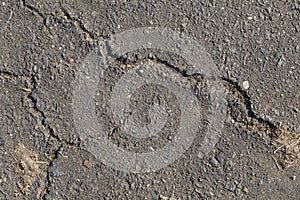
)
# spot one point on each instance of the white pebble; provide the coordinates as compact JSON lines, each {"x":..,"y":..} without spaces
{"x":246,"y":85}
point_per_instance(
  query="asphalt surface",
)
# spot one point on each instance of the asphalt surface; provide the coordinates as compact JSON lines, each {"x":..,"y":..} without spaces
{"x":255,"y":46}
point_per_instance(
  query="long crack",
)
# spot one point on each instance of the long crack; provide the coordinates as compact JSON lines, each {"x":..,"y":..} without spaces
{"x":48,"y":173}
{"x":41,"y":117}
{"x":287,"y":141}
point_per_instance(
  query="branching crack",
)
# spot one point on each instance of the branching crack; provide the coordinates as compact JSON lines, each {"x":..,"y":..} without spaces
{"x":79,"y":24}
{"x":89,"y":36}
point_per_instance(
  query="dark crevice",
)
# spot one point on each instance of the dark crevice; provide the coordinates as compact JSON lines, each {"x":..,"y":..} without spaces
{"x":247,"y":100}
{"x":126,"y":61}
{"x":81,"y":24}
{"x":11,"y":74}
{"x":34,"y":100}
{"x":56,"y":155}
{"x":78,"y":23}
{"x":248,"y":105}
{"x":35,"y":10}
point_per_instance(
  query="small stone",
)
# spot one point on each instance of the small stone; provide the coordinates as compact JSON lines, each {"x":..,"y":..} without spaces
{"x":2,"y":141}
{"x":245,"y":189}
{"x":293,"y":178}
{"x":198,"y":185}
{"x":63,"y":55}
{"x":237,"y":191}
{"x":106,"y":193}
{"x":204,"y":169}
{"x":132,"y":186}
{"x":190,"y":72}
{"x":220,"y":157}
{"x":197,"y":191}
{"x":151,"y":56}
{"x":246,"y":85}
{"x":214,"y":162}
{"x":267,"y":35}
{"x":127,"y":61}
{"x":98,"y":175}
{"x":281,"y":62}
{"x":230,"y":188}
{"x":26,"y":46}
{"x":296,"y":129}
{"x":269,"y":9}
{"x":89,"y":163}
{"x":296,"y":109}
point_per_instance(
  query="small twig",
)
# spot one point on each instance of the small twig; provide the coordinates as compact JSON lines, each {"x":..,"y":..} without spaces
{"x":276,"y":163}
{"x":278,"y":148}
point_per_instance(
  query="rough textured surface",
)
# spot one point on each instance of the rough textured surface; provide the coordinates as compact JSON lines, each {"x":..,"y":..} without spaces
{"x":43,"y":43}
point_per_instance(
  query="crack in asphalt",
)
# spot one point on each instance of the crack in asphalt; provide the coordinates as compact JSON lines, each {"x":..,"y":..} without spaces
{"x":12,"y":76}
{"x":79,"y":24}
{"x":48,"y":172}
{"x":90,"y":37}
{"x":40,"y":116}
{"x":272,"y":128}
{"x":35,"y":10}
{"x":34,"y":100}
{"x":81,"y":27}
{"x":233,"y":85}
{"x":247,"y":101}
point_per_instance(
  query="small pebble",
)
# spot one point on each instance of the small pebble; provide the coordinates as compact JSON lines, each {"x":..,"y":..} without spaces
{"x":89,"y":163}
{"x":267,"y":35}
{"x":237,"y":192}
{"x":214,"y":162}
{"x":245,"y":189}
{"x":2,"y":141}
{"x":246,"y":85}
{"x":198,"y":191}
{"x":190,"y":72}
{"x":132,"y":186}
{"x":230,"y":188}
{"x":281,"y":62}
{"x":296,"y":129}
{"x":106,"y":193}
{"x":26,"y":46}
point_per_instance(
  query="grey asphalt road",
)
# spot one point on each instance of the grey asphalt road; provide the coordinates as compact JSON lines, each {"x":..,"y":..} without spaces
{"x":255,"y":46}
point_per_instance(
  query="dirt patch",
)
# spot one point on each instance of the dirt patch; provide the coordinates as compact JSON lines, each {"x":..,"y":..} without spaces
{"x":28,"y":166}
{"x":289,"y":145}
